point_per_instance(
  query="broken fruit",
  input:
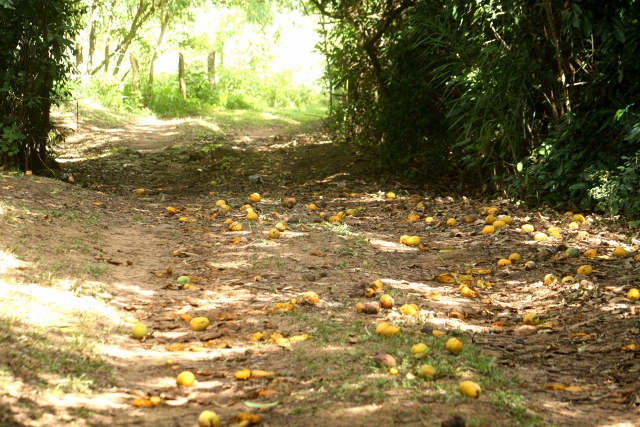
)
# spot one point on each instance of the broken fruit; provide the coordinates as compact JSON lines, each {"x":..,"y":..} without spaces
{"x":550,"y":279}
{"x":199,"y":324}
{"x":633,"y":294}
{"x":530,"y":319}
{"x":453,"y":345}
{"x":274,"y":233}
{"x":208,"y":419}
{"x":235,"y":226}
{"x":243,"y":374}
{"x":139,"y":331}
{"x":387,"y":330}
{"x":585,"y":269}
{"x":185,"y":378}
{"x":311,"y":297}
{"x":409,"y":310}
{"x":289,"y":202}
{"x":254,"y":197}
{"x":420,"y":350}
{"x":590,"y":253}
{"x":281,"y":227}
{"x":426,"y":371}
{"x":467,"y":292}
{"x":620,"y":252}
{"x":359,"y":307}
{"x":469,"y":389}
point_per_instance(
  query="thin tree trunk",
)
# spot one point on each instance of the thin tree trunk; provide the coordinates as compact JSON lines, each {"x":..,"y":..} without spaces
{"x":183,"y":80}
{"x":559,"y":58}
{"x":144,"y":11}
{"x":92,"y":46}
{"x":211,"y":69}
{"x":79,"y":56}
{"x":135,"y":75}
{"x":165,"y":16}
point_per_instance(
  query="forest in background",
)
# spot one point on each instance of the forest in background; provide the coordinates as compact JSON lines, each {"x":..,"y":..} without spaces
{"x":534,"y":100}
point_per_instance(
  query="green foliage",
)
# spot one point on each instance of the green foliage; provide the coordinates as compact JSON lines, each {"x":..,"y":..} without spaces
{"x":35,"y":47}
{"x":532,"y":99}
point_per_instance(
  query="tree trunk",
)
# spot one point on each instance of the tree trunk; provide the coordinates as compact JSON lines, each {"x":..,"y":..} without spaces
{"x":211,"y":70}
{"x":165,"y":16}
{"x":555,"y":39}
{"x":144,"y":11}
{"x":135,"y":75}
{"x":183,"y":80}
{"x":92,"y":46}
{"x":79,"y":55}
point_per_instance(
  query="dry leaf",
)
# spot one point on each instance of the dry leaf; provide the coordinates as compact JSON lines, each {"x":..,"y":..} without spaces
{"x":261,"y":374}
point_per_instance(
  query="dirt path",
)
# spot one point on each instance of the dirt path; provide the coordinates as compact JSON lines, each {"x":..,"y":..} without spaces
{"x":83,"y":260}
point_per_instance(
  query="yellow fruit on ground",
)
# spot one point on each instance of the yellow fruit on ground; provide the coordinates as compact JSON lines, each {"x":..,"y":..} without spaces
{"x":499,"y":224}
{"x":235,"y":226}
{"x":469,"y":389}
{"x":281,"y":227}
{"x":409,"y":310}
{"x":255,"y":197}
{"x":540,"y":237}
{"x":140,"y":192}
{"x":413,"y":241}
{"x":453,"y":345}
{"x":530,"y":319}
{"x":633,"y":293}
{"x":527,"y":228}
{"x":503,"y":262}
{"x":312,"y":206}
{"x":490,"y":219}
{"x":403,"y":239}
{"x":578,"y":218}
{"x":208,"y":419}
{"x":420,"y":350}
{"x":351,"y":212}
{"x":252,"y":215}
{"x":585,"y":269}
{"x":568,"y":280}
{"x":573,"y":225}
{"x":139,"y":331}
{"x":376,"y":285}
{"x":554,"y":232}
{"x":506,"y":219}
{"x":436,"y":333}
{"x":584,"y":235}
{"x":391,"y":195}
{"x":515,"y":258}
{"x":274,"y":233}
{"x":311,"y":297}
{"x":590,"y":253}
{"x":221,"y":203}
{"x":359,"y":307}
{"x":381,"y":327}
{"x":428,"y":219}
{"x":467,"y":292}
{"x":426,"y":371}
{"x":488,"y":229}
{"x":451,"y":222}
{"x":392,"y":331}
{"x":386,"y":301}
{"x":550,"y":279}
{"x":185,"y":378}
{"x":636,"y":258}
{"x":393,"y":371}
{"x":199,"y":324}
{"x":469,"y":219}
{"x":620,"y":252}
